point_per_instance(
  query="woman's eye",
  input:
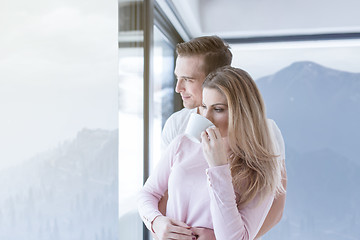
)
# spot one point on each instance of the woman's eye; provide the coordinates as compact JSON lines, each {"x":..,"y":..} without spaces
{"x":218,"y":109}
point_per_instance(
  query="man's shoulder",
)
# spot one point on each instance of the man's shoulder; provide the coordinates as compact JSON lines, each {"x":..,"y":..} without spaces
{"x":181,"y":115}
{"x":175,"y":125}
{"x":270,"y":121}
{"x":273,"y":127}
{"x":277,"y":136}
{"x":272,"y":124}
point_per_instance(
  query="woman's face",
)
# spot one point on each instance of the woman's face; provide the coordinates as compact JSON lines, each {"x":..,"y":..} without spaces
{"x":215,"y":109}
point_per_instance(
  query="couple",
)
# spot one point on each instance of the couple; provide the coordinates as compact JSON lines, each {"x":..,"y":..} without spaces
{"x":232,"y":184}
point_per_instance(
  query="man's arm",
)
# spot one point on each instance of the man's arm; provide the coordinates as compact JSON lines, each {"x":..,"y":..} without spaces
{"x":276,"y":211}
{"x":277,"y":208}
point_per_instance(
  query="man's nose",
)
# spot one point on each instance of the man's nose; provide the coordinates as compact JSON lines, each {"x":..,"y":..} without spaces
{"x":179,"y":86}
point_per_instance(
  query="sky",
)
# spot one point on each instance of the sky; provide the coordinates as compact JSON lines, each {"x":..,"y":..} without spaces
{"x":58,"y":73}
{"x":265,"y":59}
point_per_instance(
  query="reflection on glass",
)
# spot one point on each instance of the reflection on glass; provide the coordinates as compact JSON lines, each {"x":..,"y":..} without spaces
{"x":58,"y":125}
{"x":312,"y":92}
{"x":131,"y":63}
{"x":130,"y":140}
{"x":163,"y":88}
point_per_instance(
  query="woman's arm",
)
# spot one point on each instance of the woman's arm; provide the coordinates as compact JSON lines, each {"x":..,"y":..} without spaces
{"x":149,"y":196}
{"x":153,"y":189}
{"x":229,"y":223}
{"x":148,"y":199}
{"x":272,"y":218}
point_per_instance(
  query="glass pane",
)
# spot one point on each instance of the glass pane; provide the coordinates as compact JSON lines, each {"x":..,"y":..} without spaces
{"x":311,"y":90}
{"x":163,"y":88}
{"x":130,"y":140}
{"x":131,"y":124}
{"x":59,"y":120}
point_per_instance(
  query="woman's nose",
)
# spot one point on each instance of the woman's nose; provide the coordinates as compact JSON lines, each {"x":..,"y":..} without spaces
{"x":207,"y":115}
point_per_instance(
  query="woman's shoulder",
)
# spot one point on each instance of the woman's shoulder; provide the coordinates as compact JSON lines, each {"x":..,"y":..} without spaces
{"x":182,"y":145}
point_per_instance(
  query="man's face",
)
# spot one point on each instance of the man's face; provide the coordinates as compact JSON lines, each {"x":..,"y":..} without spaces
{"x":190,"y":76}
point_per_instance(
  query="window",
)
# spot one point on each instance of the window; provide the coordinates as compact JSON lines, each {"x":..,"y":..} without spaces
{"x":146,"y":100}
{"x":311,"y":89}
{"x":131,"y":123}
{"x":163,"y":89}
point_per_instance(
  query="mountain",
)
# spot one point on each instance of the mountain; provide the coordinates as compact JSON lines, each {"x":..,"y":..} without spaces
{"x":318,"y":112}
{"x":322,"y":198}
{"x":69,"y":192}
{"x":315,"y":106}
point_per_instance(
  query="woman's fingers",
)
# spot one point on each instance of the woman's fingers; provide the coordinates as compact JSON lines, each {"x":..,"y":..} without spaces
{"x":211,"y":132}
{"x":177,"y":237}
{"x":213,"y":147}
{"x":209,"y":136}
{"x":166,"y":228}
{"x":217,"y":133}
{"x":180,"y":224}
{"x":204,"y":137}
{"x":174,"y":236}
{"x":180,"y":228}
{"x":181,"y":232}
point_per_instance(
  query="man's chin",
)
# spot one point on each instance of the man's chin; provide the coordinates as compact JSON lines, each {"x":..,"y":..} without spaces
{"x":189,"y":105}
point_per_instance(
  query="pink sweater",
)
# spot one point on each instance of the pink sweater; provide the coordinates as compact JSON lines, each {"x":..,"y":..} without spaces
{"x":199,"y":195}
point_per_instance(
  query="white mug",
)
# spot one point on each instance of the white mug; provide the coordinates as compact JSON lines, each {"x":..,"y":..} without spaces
{"x":196,"y":125}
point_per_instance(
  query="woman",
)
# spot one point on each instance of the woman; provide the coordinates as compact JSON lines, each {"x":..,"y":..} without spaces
{"x":227,"y":182}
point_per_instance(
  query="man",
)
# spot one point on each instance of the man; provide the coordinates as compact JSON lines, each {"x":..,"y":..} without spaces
{"x":195,"y":60}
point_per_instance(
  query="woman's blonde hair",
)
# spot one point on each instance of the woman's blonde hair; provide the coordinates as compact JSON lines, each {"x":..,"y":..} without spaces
{"x":254,"y":166}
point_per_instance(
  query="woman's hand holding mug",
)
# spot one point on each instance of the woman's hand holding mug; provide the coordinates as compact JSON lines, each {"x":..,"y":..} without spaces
{"x":214,"y":147}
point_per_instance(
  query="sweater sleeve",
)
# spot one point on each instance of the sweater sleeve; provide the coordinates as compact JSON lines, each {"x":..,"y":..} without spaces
{"x":155,"y":186}
{"x":230,"y":223}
